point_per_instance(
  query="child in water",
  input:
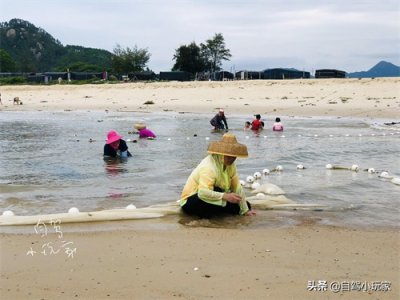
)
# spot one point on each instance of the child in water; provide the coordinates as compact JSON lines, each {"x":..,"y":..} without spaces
{"x":278,"y":126}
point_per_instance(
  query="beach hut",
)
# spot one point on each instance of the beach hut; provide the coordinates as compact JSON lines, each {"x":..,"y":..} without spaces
{"x":221,"y":76}
{"x":175,"y":75}
{"x":329,"y":73}
{"x":86,"y":75}
{"x":248,"y":75}
{"x":284,"y":73}
{"x":142,"y":76}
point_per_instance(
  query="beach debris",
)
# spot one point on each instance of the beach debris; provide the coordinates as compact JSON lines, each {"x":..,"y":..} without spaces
{"x":8,"y":213}
{"x":207,"y":138}
{"x":282,"y":136}
{"x":91,"y":140}
{"x":168,"y":139}
{"x":130,"y":206}
{"x":250,"y":179}
{"x":195,"y":269}
{"x":268,"y":189}
{"x":257,"y":175}
{"x":17,"y":101}
{"x":73,"y":210}
{"x":300,"y":167}
{"x":266,"y":172}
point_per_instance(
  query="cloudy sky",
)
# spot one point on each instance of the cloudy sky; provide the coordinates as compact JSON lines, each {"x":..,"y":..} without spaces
{"x":351,"y":35}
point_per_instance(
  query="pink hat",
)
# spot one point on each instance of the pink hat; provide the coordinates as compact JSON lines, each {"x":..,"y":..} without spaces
{"x":113,"y":136}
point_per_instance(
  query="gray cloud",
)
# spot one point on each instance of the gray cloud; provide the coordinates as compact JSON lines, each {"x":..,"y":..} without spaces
{"x":350,"y":35}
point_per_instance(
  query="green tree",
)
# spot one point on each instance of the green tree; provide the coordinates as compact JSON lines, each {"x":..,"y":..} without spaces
{"x":7,"y":64}
{"x":214,"y":52}
{"x":129,"y":60}
{"x":189,"y":58}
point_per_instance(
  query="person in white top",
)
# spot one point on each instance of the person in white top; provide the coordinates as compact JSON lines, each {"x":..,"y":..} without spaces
{"x":278,"y":126}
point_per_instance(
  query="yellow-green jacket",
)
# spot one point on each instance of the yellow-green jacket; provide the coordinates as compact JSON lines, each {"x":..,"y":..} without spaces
{"x":210,"y":173}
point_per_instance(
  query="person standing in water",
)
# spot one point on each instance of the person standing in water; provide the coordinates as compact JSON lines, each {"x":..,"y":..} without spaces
{"x":257,"y":124}
{"x":278,"y":126}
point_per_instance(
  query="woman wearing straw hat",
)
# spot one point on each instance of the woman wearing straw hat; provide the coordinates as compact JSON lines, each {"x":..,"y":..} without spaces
{"x":115,"y":146}
{"x":213,"y":187}
{"x":143,"y":131}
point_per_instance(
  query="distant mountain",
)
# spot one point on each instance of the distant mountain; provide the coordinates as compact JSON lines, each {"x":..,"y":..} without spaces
{"x":35,"y":50}
{"x":381,"y":69}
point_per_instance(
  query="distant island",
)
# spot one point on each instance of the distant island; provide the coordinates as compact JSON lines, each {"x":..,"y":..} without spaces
{"x":381,"y":69}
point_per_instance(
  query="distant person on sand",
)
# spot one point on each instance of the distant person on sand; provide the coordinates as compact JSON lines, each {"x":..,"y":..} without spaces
{"x":213,"y":187}
{"x":115,"y":146}
{"x":219,"y":121}
{"x":143,"y":131}
{"x":257,"y":124}
{"x":278,"y":126}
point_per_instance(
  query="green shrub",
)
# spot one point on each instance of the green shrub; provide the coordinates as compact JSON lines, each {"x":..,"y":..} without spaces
{"x":12,"y":80}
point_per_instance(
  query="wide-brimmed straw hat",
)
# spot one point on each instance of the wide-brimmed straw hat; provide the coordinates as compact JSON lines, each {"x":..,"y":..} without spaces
{"x":228,"y":146}
{"x":139,"y":126}
{"x":113,"y":136}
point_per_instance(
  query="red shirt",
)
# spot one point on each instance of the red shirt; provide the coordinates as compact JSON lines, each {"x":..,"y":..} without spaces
{"x":256,"y":124}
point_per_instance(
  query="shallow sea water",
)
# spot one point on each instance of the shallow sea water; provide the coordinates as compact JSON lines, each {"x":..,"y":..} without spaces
{"x":48,"y":165}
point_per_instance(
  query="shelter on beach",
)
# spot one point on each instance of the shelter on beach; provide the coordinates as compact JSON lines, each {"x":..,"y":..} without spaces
{"x":221,"y":76}
{"x":175,"y":75}
{"x":248,"y":75}
{"x":329,"y":73}
{"x":284,"y":73}
{"x":146,"y":75}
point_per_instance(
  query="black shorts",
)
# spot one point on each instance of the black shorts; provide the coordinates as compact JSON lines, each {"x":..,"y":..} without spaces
{"x":194,"y":206}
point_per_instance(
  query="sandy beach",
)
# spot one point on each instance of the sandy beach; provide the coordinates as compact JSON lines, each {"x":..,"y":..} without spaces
{"x":371,"y":98}
{"x":165,"y":259}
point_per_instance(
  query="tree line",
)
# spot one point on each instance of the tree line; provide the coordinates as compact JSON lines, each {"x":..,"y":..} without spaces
{"x":28,"y":49}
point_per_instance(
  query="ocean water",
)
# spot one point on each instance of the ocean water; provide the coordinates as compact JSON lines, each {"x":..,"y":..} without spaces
{"x":52,"y":161}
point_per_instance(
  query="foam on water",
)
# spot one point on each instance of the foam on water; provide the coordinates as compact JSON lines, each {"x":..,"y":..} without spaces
{"x":48,"y":164}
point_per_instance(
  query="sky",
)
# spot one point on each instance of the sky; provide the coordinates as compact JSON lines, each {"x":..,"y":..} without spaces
{"x":350,"y":35}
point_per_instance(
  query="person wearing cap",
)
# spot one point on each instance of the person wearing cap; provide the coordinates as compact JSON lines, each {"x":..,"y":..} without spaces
{"x":115,"y":146}
{"x":278,"y":126}
{"x":143,"y":131}
{"x":257,"y":124}
{"x":213,"y":187}
{"x":219,"y":121}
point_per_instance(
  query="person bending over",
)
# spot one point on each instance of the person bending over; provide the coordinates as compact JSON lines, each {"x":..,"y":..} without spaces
{"x":219,"y":121}
{"x":115,"y":146}
{"x":213,"y":187}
